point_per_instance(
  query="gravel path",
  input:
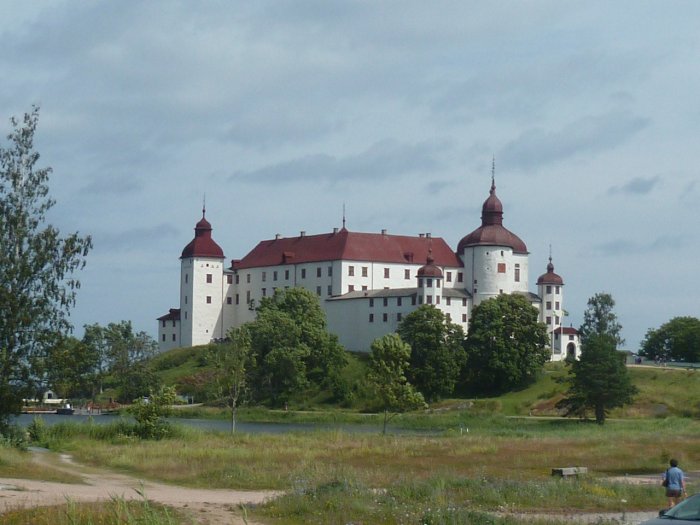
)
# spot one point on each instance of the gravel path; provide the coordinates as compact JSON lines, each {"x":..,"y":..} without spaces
{"x":207,"y":506}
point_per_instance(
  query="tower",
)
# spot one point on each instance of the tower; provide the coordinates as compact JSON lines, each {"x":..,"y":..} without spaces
{"x":429,"y":278}
{"x":201,"y":287}
{"x":550,"y":287}
{"x":495,"y":259}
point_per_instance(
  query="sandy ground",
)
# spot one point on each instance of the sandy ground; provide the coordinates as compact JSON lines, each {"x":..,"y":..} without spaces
{"x":206,"y":506}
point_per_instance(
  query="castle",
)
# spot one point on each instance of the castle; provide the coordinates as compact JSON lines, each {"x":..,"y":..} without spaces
{"x":366,"y":282}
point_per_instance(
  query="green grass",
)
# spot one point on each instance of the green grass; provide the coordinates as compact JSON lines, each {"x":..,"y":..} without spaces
{"x":114,"y":512}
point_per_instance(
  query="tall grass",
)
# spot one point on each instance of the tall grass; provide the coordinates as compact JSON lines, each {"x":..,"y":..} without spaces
{"x":117,"y":511}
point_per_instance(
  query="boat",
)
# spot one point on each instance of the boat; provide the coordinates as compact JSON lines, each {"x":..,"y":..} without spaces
{"x":65,"y":410}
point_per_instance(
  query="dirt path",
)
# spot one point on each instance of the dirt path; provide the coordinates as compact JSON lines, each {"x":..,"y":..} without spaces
{"x":207,"y":506}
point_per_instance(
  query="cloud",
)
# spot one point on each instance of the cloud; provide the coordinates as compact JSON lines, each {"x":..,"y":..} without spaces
{"x":126,"y":240}
{"x":619,"y":247}
{"x":536,"y":147}
{"x":636,"y":186}
{"x":384,"y":159}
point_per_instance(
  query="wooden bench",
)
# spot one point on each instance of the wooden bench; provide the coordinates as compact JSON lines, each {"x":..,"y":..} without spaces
{"x":567,"y":472}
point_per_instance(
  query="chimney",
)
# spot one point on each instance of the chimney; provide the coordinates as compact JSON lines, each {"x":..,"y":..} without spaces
{"x":421,"y":235}
{"x":302,"y":233}
{"x":383,"y":232}
{"x":428,"y":235}
{"x":277,"y":236}
{"x":335,"y":230}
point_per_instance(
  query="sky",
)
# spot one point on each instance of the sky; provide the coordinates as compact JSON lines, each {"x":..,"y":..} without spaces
{"x":283,"y":113}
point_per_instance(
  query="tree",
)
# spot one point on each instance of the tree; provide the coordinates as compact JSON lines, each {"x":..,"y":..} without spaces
{"x":124,"y":355}
{"x":506,"y":345}
{"x":150,"y":412}
{"x":388,"y":361}
{"x":437,"y":351}
{"x":291,"y":345}
{"x":598,"y":380}
{"x":37,"y":267}
{"x":232,"y":361}
{"x":677,"y":339}
{"x":599,"y":318}
{"x":71,"y":368}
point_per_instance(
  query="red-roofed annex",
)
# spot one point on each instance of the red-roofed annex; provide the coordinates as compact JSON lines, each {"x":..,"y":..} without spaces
{"x":366,"y":282}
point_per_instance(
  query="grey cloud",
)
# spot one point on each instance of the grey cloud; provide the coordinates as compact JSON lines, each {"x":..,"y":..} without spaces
{"x":437,"y":186}
{"x":618,"y":247}
{"x":112,"y":186}
{"x":384,"y":159}
{"x":134,"y":238}
{"x":636,"y":186}
{"x":537,"y":147}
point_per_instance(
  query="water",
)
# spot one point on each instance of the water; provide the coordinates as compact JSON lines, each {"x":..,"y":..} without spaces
{"x":220,"y":425}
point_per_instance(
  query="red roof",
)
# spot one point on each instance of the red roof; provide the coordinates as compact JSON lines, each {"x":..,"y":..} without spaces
{"x":172,"y":315}
{"x":550,"y":277}
{"x":202,"y":245}
{"x":491,"y":232}
{"x":567,"y":330}
{"x":349,"y":246}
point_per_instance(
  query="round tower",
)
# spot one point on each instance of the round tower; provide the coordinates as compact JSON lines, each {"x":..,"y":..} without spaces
{"x":201,"y":287}
{"x":429,"y":277}
{"x":550,"y":287}
{"x":495,"y":259}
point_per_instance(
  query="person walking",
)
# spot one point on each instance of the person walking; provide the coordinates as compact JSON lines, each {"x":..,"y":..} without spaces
{"x":674,"y":481}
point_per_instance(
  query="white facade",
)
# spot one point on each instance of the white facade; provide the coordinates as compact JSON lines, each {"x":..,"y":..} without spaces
{"x":367,"y":283}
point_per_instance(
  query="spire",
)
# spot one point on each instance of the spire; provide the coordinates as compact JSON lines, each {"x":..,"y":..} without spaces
{"x":493,"y":175}
{"x":204,"y":205}
{"x":550,"y":266}
{"x":343,"y":215}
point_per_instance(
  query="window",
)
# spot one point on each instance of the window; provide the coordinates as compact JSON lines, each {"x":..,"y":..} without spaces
{"x":386,"y":301}
{"x":549,"y":320}
{"x":385,"y":317}
{"x":303,"y":273}
{"x":464,"y":318}
{"x":501,"y":253}
{"x":185,"y":299}
{"x":556,"y":337}
{"x":173,"y":337}
{"x":208,"y":299}
{"x":173,"y":323}
{"x":476,"y":291}
{"x":247,"y":297}
{"x":500,"y":291}
{"x":247,"y":278}
{"x":238,"y":301}
{"x":185,"y":316}
{"x":318,"y":273}
{"x":437,"y":300}
{"x":208,"y":278}
{"x":448,"y":301}
{"x":430,"y":299}
{"x":557,"y":289}
{"x":163,"y":323}
{"x":364,"y":271}
{"x":274,"y":275}
{"x":371,"y":303}
{"x":517,"y":272}
{"x":549,"y":289}
{"x":437,"y":283}
{"x":318,"y":291}
{"x":413,"y":300}
{"x":464,"y":302}
{"x":371,"y":318}
{"x":556,"y":305}
{"x":186,"y":277}
{"x":429,"y":284}
{"x":420,"y":299}
{"x":163,"y":337}
{"x":460,"y":277}
{"x":571,"y":338}
{"x":549,"y":305}
{"x":501,"y":267}
{"x":330,"y":290}
{"x":229,"y":279}
{"x":351,"y":288}
{"x":449,"y":277}
{"x":330,"y":271}
{"x":286,"y":275}
{"x":398,"y":301}
{"x":399,"y":317}
{"x":556,"y":319}
{"x":351,"y":271}
{"x":364,"y":287}
{"x":448,"y":317}
{"x":264,"y":292}
{"x":386,"y":273}
{"x":407,"y":274}
{"x":238,"y":281}
{"x":264,"y":277}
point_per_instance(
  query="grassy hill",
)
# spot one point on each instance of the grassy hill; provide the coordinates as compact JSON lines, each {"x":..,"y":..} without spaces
{"x":662,"y":391}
